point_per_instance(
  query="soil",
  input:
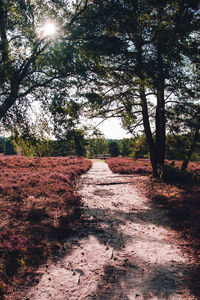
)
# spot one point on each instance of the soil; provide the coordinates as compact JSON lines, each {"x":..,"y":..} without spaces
{"x":121,"y":248}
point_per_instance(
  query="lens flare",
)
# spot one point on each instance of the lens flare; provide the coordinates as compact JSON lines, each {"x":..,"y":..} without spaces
{"x":49,"y":29}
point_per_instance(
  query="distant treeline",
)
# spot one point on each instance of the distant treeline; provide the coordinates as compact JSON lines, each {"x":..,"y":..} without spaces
{"x":6,"y":146}
{"x":76,"y":144}
{"x":176,"y":147}
{"x":35,"y":147}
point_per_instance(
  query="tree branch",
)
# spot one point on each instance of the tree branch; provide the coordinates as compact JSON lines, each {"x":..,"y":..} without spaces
{"x":33,"y":87}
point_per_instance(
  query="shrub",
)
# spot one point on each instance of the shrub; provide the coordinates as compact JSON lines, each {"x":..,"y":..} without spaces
{"x":172,"y":170}
{"x":126,"y":165}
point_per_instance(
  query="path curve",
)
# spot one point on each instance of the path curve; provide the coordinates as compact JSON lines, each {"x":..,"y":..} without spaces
{"x":121,"y":249}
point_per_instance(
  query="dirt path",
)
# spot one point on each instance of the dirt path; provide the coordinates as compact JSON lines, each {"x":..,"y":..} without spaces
{"x":121,"y":249}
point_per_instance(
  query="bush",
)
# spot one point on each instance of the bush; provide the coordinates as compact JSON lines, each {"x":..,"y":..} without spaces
{"x":126,"y":165}
{"x":172,"y":170}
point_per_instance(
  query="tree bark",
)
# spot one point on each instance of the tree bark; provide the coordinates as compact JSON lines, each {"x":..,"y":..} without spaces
{"x":8,"y":103}
{"x":147,"y":130}
{"x":3,"y":35}
{"x":145,"y":113}
{"x":160,"y":121}
{"x":160,"y":129}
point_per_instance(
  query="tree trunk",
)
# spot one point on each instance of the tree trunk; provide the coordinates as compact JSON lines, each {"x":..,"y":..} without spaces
{"x":160,"y":108}
{"x":147,"y":131}
{"x":160,"y":130}
{"x":191,"y":150}
{"x":145,"y":113}
{"x":10,"y":100}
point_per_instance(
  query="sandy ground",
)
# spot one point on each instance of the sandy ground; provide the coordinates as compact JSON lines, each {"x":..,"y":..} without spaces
{"x":121,"y":249}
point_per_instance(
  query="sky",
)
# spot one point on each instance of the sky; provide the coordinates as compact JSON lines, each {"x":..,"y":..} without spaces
{"x":112,"y":129}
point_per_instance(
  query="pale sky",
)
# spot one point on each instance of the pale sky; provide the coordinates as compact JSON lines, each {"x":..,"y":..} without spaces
{"x":112,"y":129}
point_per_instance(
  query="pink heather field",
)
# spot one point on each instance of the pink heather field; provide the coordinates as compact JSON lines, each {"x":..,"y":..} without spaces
{"x":126,"y":165}
{"x":39,"y":204}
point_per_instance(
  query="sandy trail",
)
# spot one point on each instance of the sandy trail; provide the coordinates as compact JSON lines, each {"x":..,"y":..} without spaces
{"x":121,"y":249}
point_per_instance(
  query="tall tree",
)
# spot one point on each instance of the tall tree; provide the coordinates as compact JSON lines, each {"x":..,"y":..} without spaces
{"x":37,"y":60}
{"x":139,"y":53}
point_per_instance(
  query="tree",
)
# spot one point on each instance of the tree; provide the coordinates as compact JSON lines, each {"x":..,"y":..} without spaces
{"x":77,"y":142}
{"x":35,"y":64}
{"x":32,"y":139}
{"x":139,"y":50}
{"x":6,"y":146}
{"x":140,"y":148}
{"x":2,"y":145}
{"x":179,"y":145}
{"x":126,"y":146}
{"x":186,"y":127}
{"x":97,"y":145}
{"x":113,"y":148}
{"x":72,"y":143}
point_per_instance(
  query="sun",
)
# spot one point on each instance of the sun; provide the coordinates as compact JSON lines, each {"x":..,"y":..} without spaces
{"x":49,"y":29}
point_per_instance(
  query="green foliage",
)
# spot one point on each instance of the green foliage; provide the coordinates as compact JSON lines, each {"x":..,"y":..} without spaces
{"x":140,"y":148}
{"x":97,"y":146}
{"x":72,"y":143}
{"x":32,"y":140}
{"x":35,"y":67}
{"x":126,"y":146}
{"x":114,"y":148}
{"x":9,"y":148}
{"x":137,"y":50}
{"x":177,"y":147}
{"x":6,"y":146}
{"x":2,"y":145}
{"x":30,"y":146}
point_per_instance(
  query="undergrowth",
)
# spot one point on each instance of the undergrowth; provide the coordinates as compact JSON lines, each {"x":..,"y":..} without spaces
{"x":172,"y":171}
